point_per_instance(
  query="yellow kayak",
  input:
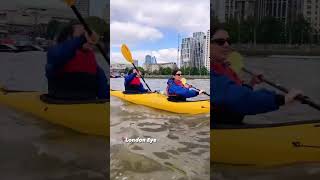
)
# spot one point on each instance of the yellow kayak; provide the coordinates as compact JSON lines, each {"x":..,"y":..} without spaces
{"x":85,"y":117}
{"x":159,"y":101}
{"x":266,"y":145}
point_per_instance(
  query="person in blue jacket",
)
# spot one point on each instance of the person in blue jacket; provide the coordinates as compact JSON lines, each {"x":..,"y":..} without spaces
{"x":133,"y":84}
{"x":72,"y":70}
{"x":232,"y":100}
{"x":177,"y":91}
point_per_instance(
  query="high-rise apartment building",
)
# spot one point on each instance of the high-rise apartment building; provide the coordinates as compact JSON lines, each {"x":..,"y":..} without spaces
{"x":207,"y":51}
{"x":194,"y":50}
{"x":311,"y":12}
{"x":150,"y":60}
{"x":187,"y":46}
{"x":199,"y":45}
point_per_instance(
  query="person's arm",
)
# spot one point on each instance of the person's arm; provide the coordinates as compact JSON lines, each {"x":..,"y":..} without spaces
{"x":142,"y":89}
{"x":129,"y":78}
{"x":244,"y":100}
{"x":185,"y":92}
{"x":103,"y":89}
{"x":60,"y":54}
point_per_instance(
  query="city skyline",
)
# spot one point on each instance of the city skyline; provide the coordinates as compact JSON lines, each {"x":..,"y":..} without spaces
{"x":286,"y":10}
{"x":153,"y":27}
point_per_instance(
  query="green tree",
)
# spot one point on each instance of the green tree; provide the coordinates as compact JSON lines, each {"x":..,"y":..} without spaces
{"x":301,"y":30}
{"x":270,"y":30}
{"x":232,"y":27}
{"x":141,"y":70}
{"x":127,"y":69}
{"x":166,"y":71}
{"x":52,"y":29}
{"x":204,"y":71}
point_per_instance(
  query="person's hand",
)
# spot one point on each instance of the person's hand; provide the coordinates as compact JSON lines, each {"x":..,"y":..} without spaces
{"x":93,"y":38}
{"x":290,"y":97}
{"x":256,"y":80}
{"x":188,"y":86}
{"x":201,"y":92}
{"x":87,"y":46}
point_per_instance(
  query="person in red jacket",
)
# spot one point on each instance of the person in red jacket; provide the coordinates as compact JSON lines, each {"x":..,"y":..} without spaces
{"x":72,"y":70}
{"x":133,"y":84}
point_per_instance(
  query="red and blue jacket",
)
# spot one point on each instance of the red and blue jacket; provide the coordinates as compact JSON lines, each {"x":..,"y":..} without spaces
{"x":178,"y":89}
{"x":69,"y":58}
{"x":231,"y":100}
{"x":132,"y":84}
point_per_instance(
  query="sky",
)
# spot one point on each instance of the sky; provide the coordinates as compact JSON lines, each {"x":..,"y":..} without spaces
{"x":152,"y":27}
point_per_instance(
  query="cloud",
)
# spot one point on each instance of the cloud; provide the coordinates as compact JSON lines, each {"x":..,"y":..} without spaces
{"x":131,"y":33}
{"x":162,"y":55}
{"x":183,"y":16}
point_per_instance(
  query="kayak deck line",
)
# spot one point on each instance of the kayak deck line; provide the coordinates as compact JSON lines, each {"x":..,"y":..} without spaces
{"x":88,"y":118}
{"x":159,"y":101}
{"x":267,"y":145}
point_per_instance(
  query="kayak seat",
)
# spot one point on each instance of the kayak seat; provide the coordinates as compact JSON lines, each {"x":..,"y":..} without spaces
{"x":50,"y":100}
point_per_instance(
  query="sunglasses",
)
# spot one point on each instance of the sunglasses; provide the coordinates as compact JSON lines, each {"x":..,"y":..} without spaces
{"x":221,"y":42}
{"x":178,"y":74}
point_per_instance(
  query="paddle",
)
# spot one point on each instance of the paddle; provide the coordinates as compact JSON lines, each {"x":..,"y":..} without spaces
{"x":184,"y":81}
{"x":235,"y":59}
{"x":71,"y":3}
{"x":127,"y":55}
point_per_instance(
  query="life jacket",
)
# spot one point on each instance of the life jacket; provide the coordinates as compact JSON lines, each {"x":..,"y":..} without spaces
{"x":83,"y":61}
{"x":133,"y":86}
{"x":172,"y":96}
{"x":224,"y":69}
{"x":77,"y":79}
{"x":135,"y":81}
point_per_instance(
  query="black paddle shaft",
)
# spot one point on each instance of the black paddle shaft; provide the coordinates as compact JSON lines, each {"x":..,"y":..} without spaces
{"x":141,"y":76}
{"x":77,"y":13}
{"x":200,"y":90}
{"x":302,"y":99}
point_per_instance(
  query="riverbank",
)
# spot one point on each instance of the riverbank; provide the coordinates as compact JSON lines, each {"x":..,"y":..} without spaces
{"x":277,"y":49}
{"x":185,"y":76}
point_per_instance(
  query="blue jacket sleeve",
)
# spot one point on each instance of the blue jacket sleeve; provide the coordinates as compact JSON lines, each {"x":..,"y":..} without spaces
{"x":142,"y":89}
{"x":185,"y":92}
{"x":60,"y":54}
{"x":129,"y":78}
{"x":242,"y":99}
{"x":103,"y":89}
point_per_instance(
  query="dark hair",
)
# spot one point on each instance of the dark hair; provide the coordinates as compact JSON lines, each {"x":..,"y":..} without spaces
{"x":67,"y":31}
{"x":174,"y":72}
{"x":215,"y":30}
{"x":130,"y":71}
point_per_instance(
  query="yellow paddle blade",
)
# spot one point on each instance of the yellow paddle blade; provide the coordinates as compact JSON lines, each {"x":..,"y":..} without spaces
{"x":126,"y":53}
{"x":184,"y":81}
{"x":236,"y":60}
{"x":70,"y":2}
